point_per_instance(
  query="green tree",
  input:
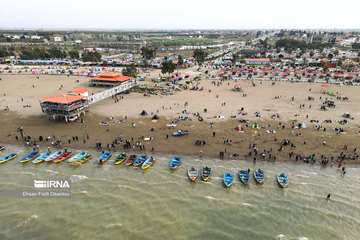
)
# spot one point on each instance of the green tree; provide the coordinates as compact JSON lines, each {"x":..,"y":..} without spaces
{"x":130,"y":71}
{"x":74,"y":54}
{"x":180,"y":60}
{"x":235,"y":58}
{"x":148,"y":53}
{"x":55,"y":52}
{"x":88,"y":56}
{"x":4,"y":52}
{"x":200,"y":56}
{"x":290,"y":44}
{"x":356,"y":46}
{"x":168,"y":67}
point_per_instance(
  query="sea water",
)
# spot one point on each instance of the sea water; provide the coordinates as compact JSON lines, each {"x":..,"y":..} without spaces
{"x":119,"y":202}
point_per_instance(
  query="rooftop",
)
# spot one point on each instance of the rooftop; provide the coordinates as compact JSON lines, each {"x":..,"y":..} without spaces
{"x":113,"y":77}
{"x":65,"y":99}
{"x":79,"y":90}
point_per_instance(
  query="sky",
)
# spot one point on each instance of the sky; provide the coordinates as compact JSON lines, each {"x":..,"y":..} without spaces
{"x":181,"y":14}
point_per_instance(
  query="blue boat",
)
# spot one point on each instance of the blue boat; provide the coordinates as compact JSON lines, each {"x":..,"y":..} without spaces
{"x":29,"y":156}
{"x":228,"y":179}
{"x":8,"y":157}
{"x":140,"y":160}
{"x":148,"y":163}
{"x":259,"y":176}
{"x":180,"y":133}
{"x":175,"y":162}
{"x":53,"y":156}
{"x":42,"y":157}
{"x":283,"y":180}
{"x":104,"y":157}
{"x":244,"y":176}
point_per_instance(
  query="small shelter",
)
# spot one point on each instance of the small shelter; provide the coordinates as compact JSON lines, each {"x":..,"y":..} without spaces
{"x":109,"y":79}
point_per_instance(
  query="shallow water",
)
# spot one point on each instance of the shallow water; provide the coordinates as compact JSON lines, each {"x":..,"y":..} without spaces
{"x":116,"y":202}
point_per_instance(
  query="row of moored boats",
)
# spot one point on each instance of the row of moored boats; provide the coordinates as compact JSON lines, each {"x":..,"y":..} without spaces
{"x":142,"y":160}
{"x":228,"y":178}
{"x":77,"y":159}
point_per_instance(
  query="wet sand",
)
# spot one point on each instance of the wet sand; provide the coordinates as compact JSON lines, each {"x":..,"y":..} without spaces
{"x":145,"y":127}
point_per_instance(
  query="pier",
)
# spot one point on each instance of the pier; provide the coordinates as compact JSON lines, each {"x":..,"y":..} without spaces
{"x":73,"y":105}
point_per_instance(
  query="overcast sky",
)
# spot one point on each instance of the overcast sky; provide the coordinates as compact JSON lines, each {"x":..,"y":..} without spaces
{"x":181,"y":14}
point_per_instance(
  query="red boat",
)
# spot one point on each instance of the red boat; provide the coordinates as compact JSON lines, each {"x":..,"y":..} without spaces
{"x":130,"y":160}
{"x":63,"y":157}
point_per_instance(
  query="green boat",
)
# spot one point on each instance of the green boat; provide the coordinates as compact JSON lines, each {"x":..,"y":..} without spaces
{"x":79,"y":158}
{"x":120,"y":158}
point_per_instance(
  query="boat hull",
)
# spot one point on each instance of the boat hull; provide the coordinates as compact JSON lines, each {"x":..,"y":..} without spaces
{"x":8,"y":158}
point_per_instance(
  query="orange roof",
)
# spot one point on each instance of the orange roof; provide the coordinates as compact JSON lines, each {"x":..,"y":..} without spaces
{"x":114,"y":77}
{"x":79,"y":90}
{"x":66,"y":99}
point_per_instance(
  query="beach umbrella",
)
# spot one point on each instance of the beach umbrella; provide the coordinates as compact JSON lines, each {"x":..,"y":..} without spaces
{"x":330,"y":93}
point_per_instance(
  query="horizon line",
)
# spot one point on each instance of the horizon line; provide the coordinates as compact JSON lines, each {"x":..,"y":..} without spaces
{"x":174,"y":29}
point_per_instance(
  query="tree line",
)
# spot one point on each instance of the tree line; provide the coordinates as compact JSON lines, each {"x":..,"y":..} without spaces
{"x":293,"y":44}
{"x":32,"y":53}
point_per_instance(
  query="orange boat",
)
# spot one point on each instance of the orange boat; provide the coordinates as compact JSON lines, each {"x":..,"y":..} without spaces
{"x":63,"y":157}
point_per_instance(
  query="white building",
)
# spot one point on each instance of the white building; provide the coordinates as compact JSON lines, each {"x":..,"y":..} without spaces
{"x":58,"y":39}
{"x":35,"y":37}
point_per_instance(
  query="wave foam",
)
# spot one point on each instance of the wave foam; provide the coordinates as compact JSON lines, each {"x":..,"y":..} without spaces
{"x":77,"y":178}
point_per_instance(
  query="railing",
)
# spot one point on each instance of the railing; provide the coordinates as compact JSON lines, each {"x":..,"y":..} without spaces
{"x":111,"y":92}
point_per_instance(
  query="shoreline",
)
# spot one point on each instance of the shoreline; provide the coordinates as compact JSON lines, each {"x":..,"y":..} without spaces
{"x":235,"y":145}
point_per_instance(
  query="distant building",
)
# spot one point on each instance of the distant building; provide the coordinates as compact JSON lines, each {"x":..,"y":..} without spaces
{"x":58,"y":39}
{"x":35,"y":37}
{"x":258,"y":61}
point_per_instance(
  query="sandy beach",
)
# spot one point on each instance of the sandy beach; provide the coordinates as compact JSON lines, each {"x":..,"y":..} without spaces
{"x":19,"y":90}
{"x":218,"y":105}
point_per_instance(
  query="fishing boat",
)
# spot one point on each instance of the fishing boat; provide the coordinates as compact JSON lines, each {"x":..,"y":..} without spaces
{"x":130,"y":160}
{"x":244,"y":176}
{"x":193,"y":174}
{"x":2,"y":148}
{"x":259,"y":176}
{"x":228,"y":179}
{"x":8,"y":157}
{"x":79,"y":158}
{"x":29,"y":156}
{"x":139,"y":161}
{"x":42,"y":157}
{"x":53,"y":156}
{"x":206,"y":173}
{"x":64,"y":156}
{"x":175,"y":162}
{"x":148,"y":163}
{"x":283,"y":180}
{"x":120,"y":158}
{"x":104,"y":157}
{"x":180,"y":133}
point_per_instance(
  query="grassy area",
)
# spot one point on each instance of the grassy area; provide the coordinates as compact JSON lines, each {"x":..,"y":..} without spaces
{"x":180,"y":41}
